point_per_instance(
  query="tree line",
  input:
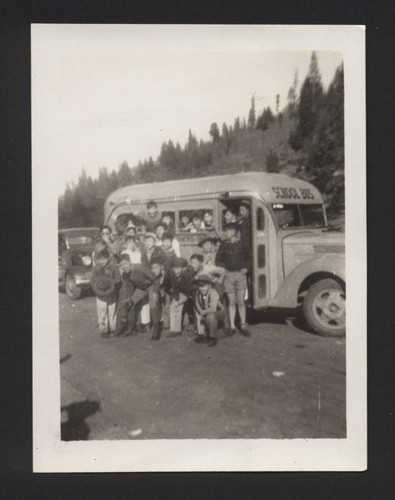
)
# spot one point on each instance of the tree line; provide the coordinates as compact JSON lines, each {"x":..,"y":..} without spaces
{"x":305,"y":138}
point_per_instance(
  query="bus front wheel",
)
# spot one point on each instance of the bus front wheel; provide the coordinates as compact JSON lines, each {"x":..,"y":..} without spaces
{"x":324,"y":308}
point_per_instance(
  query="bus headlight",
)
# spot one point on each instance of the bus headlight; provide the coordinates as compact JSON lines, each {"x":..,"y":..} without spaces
{"x":87,"y":260}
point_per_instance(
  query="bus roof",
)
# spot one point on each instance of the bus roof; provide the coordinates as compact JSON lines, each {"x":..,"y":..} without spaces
{"x":272,"y":187}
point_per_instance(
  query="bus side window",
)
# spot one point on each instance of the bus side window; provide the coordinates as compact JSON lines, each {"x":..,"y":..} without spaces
{"x":260,"y":219}
{"x":192,"y":220}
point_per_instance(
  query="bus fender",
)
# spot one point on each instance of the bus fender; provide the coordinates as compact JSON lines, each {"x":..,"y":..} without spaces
{"x":325,"y":266}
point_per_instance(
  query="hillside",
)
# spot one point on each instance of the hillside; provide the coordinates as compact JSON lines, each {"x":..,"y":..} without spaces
{"x":305,"y":139}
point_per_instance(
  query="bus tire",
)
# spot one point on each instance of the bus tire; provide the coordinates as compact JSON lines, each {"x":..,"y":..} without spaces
{"x":72,"y":289}
{"x":324,"y":308}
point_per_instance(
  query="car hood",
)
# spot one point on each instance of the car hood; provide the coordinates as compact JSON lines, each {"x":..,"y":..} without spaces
{"x":333,"y":241}
{"x":307,"y":245}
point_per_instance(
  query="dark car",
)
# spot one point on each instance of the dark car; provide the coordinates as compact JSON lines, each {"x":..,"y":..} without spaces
{"x":76,"y":247}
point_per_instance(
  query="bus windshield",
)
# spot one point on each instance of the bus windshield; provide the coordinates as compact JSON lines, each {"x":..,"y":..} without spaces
{"x":298,"y":215}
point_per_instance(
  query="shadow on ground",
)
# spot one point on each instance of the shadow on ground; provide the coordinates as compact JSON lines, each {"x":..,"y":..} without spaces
{"x":65,"y":358}
{"x":75,"y":428}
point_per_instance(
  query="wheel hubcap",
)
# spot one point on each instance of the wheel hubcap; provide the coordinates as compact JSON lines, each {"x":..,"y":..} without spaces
{"x":71,"y":285}
{"x":330,"y":308}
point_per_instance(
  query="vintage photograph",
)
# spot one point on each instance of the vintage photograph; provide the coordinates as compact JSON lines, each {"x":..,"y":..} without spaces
{"x":200,"y":224}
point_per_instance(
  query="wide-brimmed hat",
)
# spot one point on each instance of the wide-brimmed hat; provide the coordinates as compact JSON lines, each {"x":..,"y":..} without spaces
{"x":150,"y":235}
{"x":130,"y":226}
{"x":203,"y":278}
{"x":232,"y":225}
{"x":212,"y":239}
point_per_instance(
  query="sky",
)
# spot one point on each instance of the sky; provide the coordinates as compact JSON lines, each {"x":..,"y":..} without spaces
{"x":106,"y":94}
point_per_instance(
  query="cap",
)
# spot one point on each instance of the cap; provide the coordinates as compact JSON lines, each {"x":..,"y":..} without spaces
{"x":232,"y":225}
{"x":179,"y":262}
{"x":245,"y":203}
{"x":203,"y":278}
{"x":150,"y":235}
{"x":212,"y":239}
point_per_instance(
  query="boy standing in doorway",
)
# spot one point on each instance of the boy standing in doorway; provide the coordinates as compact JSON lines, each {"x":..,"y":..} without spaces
{"x":235,"y":256}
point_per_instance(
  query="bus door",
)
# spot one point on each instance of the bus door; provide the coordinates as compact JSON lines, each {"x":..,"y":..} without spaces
{"x":260,"y":255}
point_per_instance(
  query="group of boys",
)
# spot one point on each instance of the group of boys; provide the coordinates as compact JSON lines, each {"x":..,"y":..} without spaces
{"x":150,"y":282}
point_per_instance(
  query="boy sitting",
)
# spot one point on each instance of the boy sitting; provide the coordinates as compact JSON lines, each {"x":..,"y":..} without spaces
{"x":105,"y":282}
{"x":209,"y":311}
{"x":136,"y":279}
{"x":179,"y":287}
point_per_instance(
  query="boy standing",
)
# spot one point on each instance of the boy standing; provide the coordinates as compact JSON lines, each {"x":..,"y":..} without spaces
{"x":105,"y":282}
{"x":244,"y":222}
{"x":156,"y":297}
{"x":234,"y":255}
{"x":112,"y":245}
{"x":150,"y":249}
{"x":208,"y":246}
{"x":209,"y":311}
{"x":132,"y":249}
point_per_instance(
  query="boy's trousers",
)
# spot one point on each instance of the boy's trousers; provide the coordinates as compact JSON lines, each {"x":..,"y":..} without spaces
{"x":106,"y":314}
{"x":176,"y":308}
{"x":127,"y":314}
{"x":209,"y":324}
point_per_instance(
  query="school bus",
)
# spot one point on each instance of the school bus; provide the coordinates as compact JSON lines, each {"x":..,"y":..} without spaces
{"x":298,"y":260}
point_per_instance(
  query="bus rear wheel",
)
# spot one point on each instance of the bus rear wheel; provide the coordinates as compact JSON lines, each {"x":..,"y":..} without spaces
{"x":324,"y":308}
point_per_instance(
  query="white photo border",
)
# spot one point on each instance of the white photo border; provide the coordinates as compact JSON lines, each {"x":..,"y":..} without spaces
{"x":50,"y":454}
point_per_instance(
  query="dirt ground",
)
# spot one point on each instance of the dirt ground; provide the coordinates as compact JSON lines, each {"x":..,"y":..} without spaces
{"x":283,"y":382}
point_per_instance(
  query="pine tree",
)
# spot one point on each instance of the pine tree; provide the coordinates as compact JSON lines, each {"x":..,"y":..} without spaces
{"x":251,"y":114}
{"x":124,"y":174}
{"x":214,"y":132}
{"x":325,"y":161}
{"x":292,"y":98}
{"x":310,"y":101}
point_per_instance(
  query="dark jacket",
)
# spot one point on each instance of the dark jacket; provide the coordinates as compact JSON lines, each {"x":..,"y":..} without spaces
{"x":168,"y":258}
{"x":139,"y":277}
{"x":245,"y":230}
{"x":183,"y":284}
{"x":157,"y":253}
{"x":233,"y":256}
{"x":106,"y":281}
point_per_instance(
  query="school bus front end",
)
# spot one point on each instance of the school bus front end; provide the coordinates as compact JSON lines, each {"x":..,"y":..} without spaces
{"x":311,"y":271}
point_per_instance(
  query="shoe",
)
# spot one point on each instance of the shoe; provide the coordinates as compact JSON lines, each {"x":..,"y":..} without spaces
{"x":211,"y":342}
{"x":129,"y":333}
{"x":174,"y":334}
{"x":155,"y":334}
{"x":201,"y":339}
{"x":228,"y":332}
{"x":142,"y":328}
{"x":105,"y":335}
{"x":245,"y":332}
